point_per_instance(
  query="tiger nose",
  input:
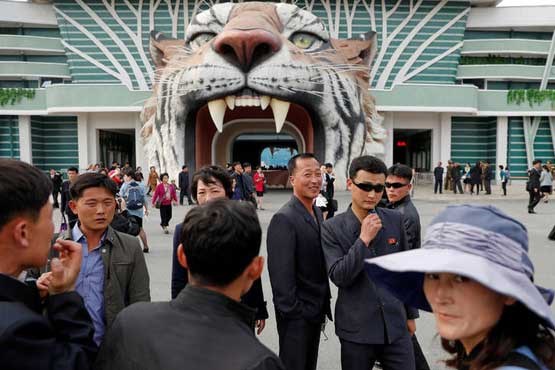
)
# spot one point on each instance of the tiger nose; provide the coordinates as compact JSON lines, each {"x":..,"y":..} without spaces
{"x":246,"y":47}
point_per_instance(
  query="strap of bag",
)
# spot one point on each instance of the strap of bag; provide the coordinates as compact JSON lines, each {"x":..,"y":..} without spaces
{"x":517,"y":359}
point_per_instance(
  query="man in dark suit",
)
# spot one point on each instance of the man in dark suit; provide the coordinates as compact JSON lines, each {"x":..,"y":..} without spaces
{"x":371,"y":324}
{"x":56,"y":179}
{"x":59,"y":333}
{"x":533,"y":185}
{"x":297,"y":267}
{"x":184,"y":186}
{"x":72,"y":173}
{"x":438,"y":178}
{"x":398,"y":186}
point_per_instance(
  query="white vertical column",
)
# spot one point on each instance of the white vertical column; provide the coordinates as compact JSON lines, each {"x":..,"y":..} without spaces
{"x":83,"y":140}
{"x":25,"y":139}
{"x":388,"y":118}
{"x":444,"y":139}
{"x":501,"y":144}
{"x":140,"y":158}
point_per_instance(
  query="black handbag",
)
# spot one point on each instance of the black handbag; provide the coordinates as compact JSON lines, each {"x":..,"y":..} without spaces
{"x":551,"y":235}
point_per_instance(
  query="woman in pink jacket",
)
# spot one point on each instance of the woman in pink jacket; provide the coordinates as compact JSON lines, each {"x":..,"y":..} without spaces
{"x":164,"y":196}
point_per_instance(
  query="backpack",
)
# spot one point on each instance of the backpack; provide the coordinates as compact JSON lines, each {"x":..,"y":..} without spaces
{"x":125,"y":224}
{"x":134,"y":196}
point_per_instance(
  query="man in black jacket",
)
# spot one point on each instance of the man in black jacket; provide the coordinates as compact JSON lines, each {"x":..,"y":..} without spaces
{"x":209,"y":183}
{"x":183,"y":183}
{"x":62,"y":339}
{"x":456,"y":178}
{"x":297,"y":267}
{"x":56,"y":179}
{"x":205,"y":327}
{"x":533,"y":185}
{"x":370,"y":322}
{"x":398,"y":186}
{"x":438,"y":178}
{"x":72,"y":173}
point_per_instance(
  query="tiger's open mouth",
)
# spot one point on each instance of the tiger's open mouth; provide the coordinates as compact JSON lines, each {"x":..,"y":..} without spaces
{"x":248,"y":98}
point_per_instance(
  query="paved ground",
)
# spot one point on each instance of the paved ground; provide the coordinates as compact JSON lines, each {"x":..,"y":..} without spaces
{"x":542,"y":253}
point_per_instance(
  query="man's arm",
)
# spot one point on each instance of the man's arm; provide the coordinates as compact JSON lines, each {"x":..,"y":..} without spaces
{"x":64,"y":344}
{"x":412,"y":313}
{"x":281,"y":245}
{"x":64,"y":199}
{"x":179,"y":273}
{"x":139,"y":283}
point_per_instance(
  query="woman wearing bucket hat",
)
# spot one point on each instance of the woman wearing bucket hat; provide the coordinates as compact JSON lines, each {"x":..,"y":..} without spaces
{"x":474,"y":273}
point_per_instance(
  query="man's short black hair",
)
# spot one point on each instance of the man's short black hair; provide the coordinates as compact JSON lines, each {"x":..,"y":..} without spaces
{"x":210,"y":174}
{"x":220,"y":239}
{"x":130,"y":172}
{"x":536,"y":161}
{"x":91,"y":180}
{"x":24,"y":190}
{"x":292,"y":164}
{"x":367,"y":163}
{"x":235,"y":163}
{"x":184,"y":167}
{"x":246,"y":164}
{"x":400,"y":170}
{"x":329,"y":165}
{"x":73,"y":169}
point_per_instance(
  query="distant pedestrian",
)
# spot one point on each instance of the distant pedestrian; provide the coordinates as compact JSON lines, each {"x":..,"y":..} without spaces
{"x":466,"y":178}
{"x":330,"y":190}
{"x":152,"y":180}
{"x":259,"y":185}
{"x":183,"y":182}
{"x":456,"y":178}
{"x":249,"y":183}
{"x":163,"y":198}
{"x":438,"y":178}
{"x":57,"y":181}
{"x":448,"y":178}
{"x":503,"y":174}
{"x":134,"y":194}
{"x":240,"y":189}
{"x":546,"y":183}
{"x":476,"y":178}
{"x":139,"y":175}
{"x":67,"y":213}
{"x":488,"y":176}
{"x":533,"y":185}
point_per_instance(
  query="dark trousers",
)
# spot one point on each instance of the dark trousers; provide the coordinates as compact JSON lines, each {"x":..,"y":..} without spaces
{"x":504,"y":187}
{"x":534,"y":199}
{"x":165,"y":214}
{"x":477,"y":188}
{"x":457,"y":186}
{"x":182,"y":194}
{"x":398,"y":355}
{"x":438,"y":185}
{"x":298,"y":343}
{"x":419,"y":358}
{"x":55,"y":196}
{"x":487,"y":184}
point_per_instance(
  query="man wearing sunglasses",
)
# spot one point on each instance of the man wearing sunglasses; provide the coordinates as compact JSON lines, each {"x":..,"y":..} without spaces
{"x":371,"y":324}
{"x":398,"y":186}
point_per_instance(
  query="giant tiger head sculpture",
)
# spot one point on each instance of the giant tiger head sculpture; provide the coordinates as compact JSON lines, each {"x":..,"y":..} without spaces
{"x":249,"y":59}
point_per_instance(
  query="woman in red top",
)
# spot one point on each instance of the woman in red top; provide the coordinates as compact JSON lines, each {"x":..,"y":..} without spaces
{"x":259,"y":181}
{"x":165,"y":195}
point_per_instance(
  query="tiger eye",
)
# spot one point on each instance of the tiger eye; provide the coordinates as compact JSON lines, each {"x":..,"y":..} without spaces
{"x":303,"y":40}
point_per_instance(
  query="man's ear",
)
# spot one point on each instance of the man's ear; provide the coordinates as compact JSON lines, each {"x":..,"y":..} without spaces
{"x":255,"y":268}
{"x":20,"y":231}
{"x":162,"y":48}
{"x":73,"y":206}
{"x":181,"y":257}
{"x":359,"y":50}
{"x":349,"y":184}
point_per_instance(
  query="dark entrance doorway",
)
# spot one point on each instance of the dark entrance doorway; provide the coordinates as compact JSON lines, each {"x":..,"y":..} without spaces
{"x":116,"y":145}
{"x":413,"y":148}
{"x":272,"y":151}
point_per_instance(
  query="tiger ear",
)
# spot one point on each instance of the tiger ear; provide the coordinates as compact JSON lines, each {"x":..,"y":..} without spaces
{"x":359,"y":50}
{"x":162,"y":48}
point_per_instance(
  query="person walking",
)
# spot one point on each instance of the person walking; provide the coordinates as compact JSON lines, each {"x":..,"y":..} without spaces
{"x":456,"y":178}
{"x":466,"y":178}
{"x":152,"y":180}
{"x":488,"y":176}
{"x":476,"y":178}
{"x":330,"y":190}
{"x":67,"y":213}
{"x":533,"y":185}
{"x":438,"y":178}
{"x":488,"y":311}
{"x":163,"y":198}
{"x":297,"y":267}
{"x":259,"y":185}
{"x":183,"y":183}
{"x":205,"y":326}
{"x":546,"y":183}
{"x":57,"y":181}
{"x":370,"y":323}
{"x":133,"y":193}
{"x":448,"y":178}
{"x":239,"y":189}
{"x":503,"y":174}
{"x":249,"y":183}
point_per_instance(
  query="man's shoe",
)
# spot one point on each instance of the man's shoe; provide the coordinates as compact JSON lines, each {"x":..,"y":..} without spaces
{"x":531,"y":211}
{"x":145,"y":250}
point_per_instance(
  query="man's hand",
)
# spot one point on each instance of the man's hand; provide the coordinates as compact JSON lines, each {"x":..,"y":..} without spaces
{"x":370,"y":227}
{"x":64,"y":270}
{"x":42,"y":284}
{"x":260,"y":325}
{"x":411,"y":326}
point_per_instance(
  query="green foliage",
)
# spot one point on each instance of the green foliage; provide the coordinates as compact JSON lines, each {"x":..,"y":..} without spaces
{"x":532,"y":96}
{"x":495,"y":59}
{"x":13,"y":96}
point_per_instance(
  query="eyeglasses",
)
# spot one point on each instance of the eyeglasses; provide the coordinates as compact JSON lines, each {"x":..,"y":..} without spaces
{"x":368,"y":187}
{"x":394,"y":185}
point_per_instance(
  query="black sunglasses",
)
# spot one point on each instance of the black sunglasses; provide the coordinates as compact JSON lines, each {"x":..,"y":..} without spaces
{"x":368,"y":187}
{"x":394,"y":185}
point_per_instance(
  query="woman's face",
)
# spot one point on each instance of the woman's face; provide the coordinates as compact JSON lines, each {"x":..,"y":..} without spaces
{"x":207,"y":192}
{"x":165,"y":179}
{"x":464,"y":309}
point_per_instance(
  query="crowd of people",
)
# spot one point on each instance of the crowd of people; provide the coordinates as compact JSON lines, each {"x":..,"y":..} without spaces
{"x":80,"y":299}
{"x":475,"y":178}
